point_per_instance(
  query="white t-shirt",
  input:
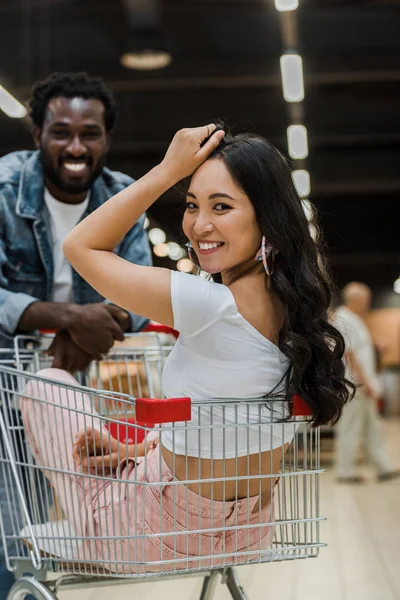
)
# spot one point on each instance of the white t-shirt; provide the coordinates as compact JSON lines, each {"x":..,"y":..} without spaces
{"x":358,"y":341}
{"x":63,"y":218}
{"x":220,"y":355}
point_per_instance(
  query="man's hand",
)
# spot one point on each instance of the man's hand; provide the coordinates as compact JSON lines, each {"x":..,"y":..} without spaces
{"x":95,"y":327}
{"x":67,"y":355}
{"x":120,"y":315}
{"x":366,"y":388}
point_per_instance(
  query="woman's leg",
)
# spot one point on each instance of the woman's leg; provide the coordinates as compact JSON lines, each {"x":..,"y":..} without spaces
{"x":120,"y":518}
{"x":53,"y":414}
{"x":349,"y":433}
{"x":375,"y":439}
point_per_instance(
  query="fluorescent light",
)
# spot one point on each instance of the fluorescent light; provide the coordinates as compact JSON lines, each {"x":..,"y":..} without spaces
{"x":309,"y":212}
{"x":286,"y":4}
{"x":307,"y":208}
{"x":297,"y":141}
{"x":292,"y":77}
{"x":146,"y":60}
{"x":301,"y":179}
{"x":396,"y":286}
{"x":157,"y":236}
{"x":10,"y":105}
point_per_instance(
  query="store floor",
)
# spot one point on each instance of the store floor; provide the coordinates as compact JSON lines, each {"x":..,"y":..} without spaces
{"x":361,"y":562}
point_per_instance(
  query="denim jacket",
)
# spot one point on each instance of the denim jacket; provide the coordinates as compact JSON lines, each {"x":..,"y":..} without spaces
{"x":26,"y":256}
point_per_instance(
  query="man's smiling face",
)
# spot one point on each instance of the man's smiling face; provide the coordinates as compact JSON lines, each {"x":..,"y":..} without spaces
{"x":73,"y":143}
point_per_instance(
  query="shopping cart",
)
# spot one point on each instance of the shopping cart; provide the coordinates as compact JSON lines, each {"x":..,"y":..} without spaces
{"x":155,"y":515}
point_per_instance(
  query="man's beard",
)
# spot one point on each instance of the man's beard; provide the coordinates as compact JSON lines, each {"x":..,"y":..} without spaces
{"x":54,"y":175}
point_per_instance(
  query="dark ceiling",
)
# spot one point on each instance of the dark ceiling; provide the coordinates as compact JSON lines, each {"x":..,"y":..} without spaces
{"x":226,"y":64}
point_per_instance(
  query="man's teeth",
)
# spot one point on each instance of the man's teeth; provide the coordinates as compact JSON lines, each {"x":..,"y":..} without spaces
{"x":76,"y":167}
{"x":204,"y":246}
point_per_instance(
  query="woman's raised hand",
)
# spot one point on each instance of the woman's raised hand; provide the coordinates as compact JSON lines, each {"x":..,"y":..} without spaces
{"x":188,"y":151}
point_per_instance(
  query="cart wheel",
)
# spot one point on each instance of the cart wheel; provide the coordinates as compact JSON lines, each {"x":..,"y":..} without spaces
{"x":29,"y":585}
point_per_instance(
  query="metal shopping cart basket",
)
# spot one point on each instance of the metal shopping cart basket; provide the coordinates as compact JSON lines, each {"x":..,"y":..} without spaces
{"x":154,"y":512}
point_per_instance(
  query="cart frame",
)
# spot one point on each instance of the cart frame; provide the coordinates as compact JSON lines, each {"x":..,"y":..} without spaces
{"x":297,"y":529}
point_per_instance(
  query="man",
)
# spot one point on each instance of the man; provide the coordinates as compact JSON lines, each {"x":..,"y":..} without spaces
{"x":43,"y":195}
{"x":360,"y":419}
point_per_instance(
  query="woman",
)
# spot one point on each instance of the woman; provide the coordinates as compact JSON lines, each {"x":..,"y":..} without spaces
{"x":261,"y":332}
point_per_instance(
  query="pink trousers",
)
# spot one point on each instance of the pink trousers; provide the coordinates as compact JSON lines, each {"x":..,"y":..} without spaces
{"x":141,"y":519}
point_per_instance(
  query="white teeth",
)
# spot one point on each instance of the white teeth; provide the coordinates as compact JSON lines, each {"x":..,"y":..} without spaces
{"x":206,"y":246}
{"x":74,"y":166}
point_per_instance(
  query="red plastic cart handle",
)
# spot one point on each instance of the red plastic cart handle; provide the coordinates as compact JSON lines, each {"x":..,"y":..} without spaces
{"x":152,"y":327}
{"x":169,"y":410}
{"x":159,"y":328}
{"x":128,"y":430}
{"x":300,"y":407}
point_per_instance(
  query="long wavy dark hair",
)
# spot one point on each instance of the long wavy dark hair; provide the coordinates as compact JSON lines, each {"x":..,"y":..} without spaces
{"x":300,"y":278}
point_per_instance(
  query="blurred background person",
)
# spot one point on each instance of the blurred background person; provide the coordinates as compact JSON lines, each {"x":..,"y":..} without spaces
{"x":43,"y":195}
{"x":360,"y":421}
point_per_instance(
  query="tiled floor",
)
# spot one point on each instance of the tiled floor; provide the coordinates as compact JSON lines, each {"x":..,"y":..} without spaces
{"x":361,"y":562}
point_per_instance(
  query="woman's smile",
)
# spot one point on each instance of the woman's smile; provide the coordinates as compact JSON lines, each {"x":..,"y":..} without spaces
{"x":209,"y":247}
